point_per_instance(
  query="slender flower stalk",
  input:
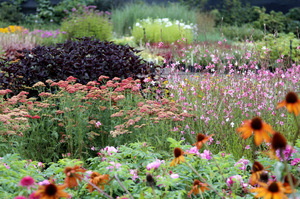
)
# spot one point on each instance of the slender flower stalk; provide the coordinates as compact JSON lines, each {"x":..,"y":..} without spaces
{"x":298,"y":130}
{"x":216,"y":163}
{"x":123,"y":186}
{"x":289,"y":176}
{"x":203,"y":180}
{"x":97,"y":188}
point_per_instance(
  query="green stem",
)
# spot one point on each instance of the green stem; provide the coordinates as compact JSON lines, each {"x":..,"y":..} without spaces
{"x":254,"y":148}
{"x":288,"y":173}
{"x":216,"y":163}
{"x":123,"y":186}
{"x":203,"y":180}
{"x":298,"y":130}
{"x":153,"y":192}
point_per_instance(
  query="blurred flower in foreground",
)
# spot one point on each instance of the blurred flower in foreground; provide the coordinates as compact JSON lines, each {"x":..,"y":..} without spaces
{"x":291,"y":102}
{"x":258,"y":127}
{"x":195,"y":189}
{"x":274,"y":190}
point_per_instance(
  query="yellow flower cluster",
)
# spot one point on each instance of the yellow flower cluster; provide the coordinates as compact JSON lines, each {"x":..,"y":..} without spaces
{"x":12,"y":29}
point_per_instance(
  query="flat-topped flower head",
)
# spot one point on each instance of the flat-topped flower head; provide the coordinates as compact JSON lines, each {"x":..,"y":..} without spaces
{"x":202,"y":139}
{"x":274,"y":190}
{"x":260,"y":129}
{"x":178,"y":154}
{"x":291,"y":102}
{"x":196,"y":186}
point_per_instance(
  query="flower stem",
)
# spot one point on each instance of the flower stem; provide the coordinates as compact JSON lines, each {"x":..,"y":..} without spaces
{"x":254,"y":148}
{"x":153,"y":192}
{"x":288,"y":173}
{"x":202,"y":179}
{"x":298,"y":130}
{"x":123,"y":186}
{"x":97,"y":188}
{"x":216,"y":163}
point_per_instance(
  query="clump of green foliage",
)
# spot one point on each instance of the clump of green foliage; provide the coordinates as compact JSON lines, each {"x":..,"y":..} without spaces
{"x":87,"y":22}
{"x":125,"y":17}
{"x":241,"y":33}
{"x":162,"y":30}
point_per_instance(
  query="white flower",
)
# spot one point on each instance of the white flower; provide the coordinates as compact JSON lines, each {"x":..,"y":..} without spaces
{"x":232,"y":124}
{"x":137,"y":24}
{"x":165,"y":19}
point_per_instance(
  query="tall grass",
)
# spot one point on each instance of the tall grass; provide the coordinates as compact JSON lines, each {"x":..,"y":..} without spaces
{"x":124,"y":18}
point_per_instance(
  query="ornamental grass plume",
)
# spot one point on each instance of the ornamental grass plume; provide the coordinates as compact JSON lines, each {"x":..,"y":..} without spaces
{"x":178,"y":154}
{"x":260,"y":129}
{"x":73,"y":175}
{"x":196,"y":186}
{"x":274,"y":190}
{"x":51,"y":191}
{"x":202,"y":139}
{"x":98,"y":180}
{"x":291,"y":102}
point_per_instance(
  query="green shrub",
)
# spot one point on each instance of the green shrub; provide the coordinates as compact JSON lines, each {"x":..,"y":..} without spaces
{"x":273,"y":22}
{"x":233,"y":12}
{"x":280,"y":46}
{"x":162,"y":30}
{"x":124,"y":18}
{"x":241,"y":33}
{"x":10,"y":12}
{"x":64,"y":8}
{"x":87,"y":23}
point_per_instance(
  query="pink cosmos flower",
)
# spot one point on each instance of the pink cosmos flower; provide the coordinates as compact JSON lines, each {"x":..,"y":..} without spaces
{"x":110,"y":150}
{"x":27,"y":181}
{"x":242,"y":164}
{"x":45,"y":182}
{"x":205,"y":155}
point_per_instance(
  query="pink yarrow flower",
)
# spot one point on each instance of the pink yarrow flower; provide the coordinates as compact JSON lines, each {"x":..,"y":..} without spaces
{"x":20,"y":197}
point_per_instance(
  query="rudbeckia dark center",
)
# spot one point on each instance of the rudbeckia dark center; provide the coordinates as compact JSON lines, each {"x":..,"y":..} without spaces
{"x":196,"y":182}
{"x":278,"y":141}
{"x":51,"y":189}
{"x":264,"y":177}
{"x":200,"y":137}
{"x":291,"y":98}
{"x":177,"y":152}
{"x":256,"y":123}
{"x":273,"y":187}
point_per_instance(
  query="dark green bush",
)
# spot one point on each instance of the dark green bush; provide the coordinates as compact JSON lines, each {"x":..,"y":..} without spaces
{"x":274,"y":22}
{"x":10,"y":12}
{"x":87,"y":22}
{"x":241,"y":33}
{"x":85,"y":59}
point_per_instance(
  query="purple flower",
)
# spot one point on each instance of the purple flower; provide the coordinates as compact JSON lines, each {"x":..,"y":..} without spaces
{"x":193,"y":150}
{"x":205,"y":155}
{"x":242,"y":164}
{"x":236,"y":181}
{"x":154,"y":165}
{"x":287,"y":153}
{"x":295,"y":161}
{"x":174,"y":175}
{"x":74,"y":10}
{"x":114,"y":165}
{"x":110,"y":150}
{"x":45,"y":182}
{"x":134,"y":173}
